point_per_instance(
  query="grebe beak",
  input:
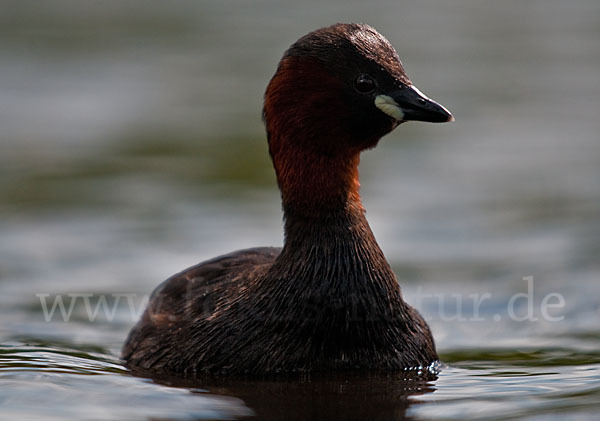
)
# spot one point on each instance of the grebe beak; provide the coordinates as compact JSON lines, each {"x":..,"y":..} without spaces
{"x":411,"y":104}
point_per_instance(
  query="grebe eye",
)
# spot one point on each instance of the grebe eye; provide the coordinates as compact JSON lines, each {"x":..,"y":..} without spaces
{"x":365,"y":84}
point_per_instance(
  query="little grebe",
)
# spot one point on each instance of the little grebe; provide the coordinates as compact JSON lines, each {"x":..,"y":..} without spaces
{"x":328,"y":300}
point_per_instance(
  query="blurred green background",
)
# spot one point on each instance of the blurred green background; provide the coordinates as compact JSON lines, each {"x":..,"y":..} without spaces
{"x":129,"y":125}
{"x":132,"y":147}
{"x":132,"y":144}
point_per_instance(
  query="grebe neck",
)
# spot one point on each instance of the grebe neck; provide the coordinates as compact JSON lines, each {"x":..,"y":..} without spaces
{"x":316,"y":185}
{"x":327,"y":237}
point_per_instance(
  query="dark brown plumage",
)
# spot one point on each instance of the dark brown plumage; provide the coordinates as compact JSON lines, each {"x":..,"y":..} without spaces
{"x":328,"y":300}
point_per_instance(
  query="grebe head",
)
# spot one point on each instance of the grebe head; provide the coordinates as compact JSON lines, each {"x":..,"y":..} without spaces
{"x":338,"y":90}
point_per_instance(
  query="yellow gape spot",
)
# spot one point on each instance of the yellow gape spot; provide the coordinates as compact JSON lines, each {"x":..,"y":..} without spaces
{"x":389,"y":106}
